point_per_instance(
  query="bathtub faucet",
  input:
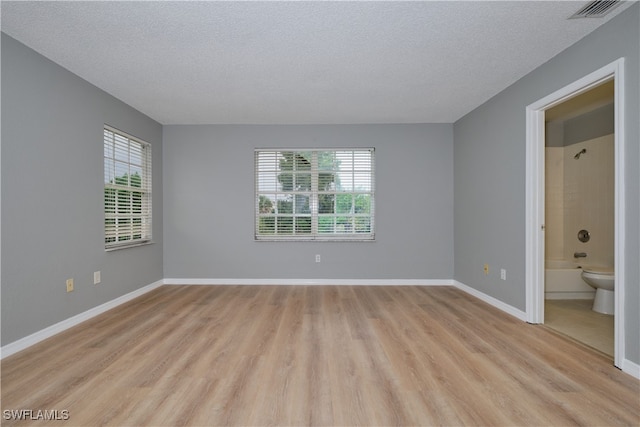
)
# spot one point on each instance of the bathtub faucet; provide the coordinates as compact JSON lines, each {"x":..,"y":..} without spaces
{"x":579,"y":254}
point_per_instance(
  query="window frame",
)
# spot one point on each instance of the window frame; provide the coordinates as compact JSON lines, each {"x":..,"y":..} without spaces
{"x":128,"y":219}
{"x":315,"y":194}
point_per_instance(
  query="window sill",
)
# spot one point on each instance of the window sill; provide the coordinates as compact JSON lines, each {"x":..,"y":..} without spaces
{"x":133,"y":245}
{"x":310,"y":239}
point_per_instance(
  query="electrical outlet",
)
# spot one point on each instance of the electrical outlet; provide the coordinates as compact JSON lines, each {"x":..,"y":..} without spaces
{"x":96,"y":277}
{"x":486,"y":269}
{"x":317,"y":257}
{"x":69,"y":285}
{"x":503,"y":274}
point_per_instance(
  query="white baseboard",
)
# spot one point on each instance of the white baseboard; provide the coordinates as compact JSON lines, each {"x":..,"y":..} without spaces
{"x":329,"y":282}
{"x":519,"y":314}
{"x":633,"y":369}
{"x":50,"y":331}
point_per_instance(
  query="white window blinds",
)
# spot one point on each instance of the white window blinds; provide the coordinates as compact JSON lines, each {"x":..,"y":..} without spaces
{"x":314,"y":194}
{"x":127,"y":189}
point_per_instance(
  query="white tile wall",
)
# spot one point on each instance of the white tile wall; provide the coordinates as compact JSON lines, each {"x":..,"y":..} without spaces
{"x":580,"y":195}
{"x":554,"y":203}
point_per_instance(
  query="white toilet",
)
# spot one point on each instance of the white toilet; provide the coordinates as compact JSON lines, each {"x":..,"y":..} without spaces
{"x":603,"y":280}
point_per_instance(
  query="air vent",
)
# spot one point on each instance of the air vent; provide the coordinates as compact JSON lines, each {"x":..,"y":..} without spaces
{"x":596,"y":9}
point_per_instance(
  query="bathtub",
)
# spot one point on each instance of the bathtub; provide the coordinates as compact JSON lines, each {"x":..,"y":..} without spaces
{"x":562,"y":281}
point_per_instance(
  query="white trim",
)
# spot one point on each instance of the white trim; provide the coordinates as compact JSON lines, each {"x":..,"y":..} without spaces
{"x":517,"y":313}
{"x":328,"y":282}
{"x":534,"y":219}
{"x":628,"y":367}
{"x":52,"y":330}
{"x":619,"y":206}
{"x":135,"y":245}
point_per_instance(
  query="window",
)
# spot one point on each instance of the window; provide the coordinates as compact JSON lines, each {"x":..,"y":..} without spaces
{"x":314,"y":194}
{"x":127,"y":190}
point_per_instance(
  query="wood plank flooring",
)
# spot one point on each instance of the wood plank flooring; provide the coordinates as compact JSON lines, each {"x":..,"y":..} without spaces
{"x":315,"y":355}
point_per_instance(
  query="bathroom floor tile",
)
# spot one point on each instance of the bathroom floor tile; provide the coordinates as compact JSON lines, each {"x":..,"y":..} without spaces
{"x":575,"y":319}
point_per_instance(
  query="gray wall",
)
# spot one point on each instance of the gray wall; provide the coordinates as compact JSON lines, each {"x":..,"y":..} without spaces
{"x":52,"y":195}
{"x":209,"y":204}
{"x":489,"y":162}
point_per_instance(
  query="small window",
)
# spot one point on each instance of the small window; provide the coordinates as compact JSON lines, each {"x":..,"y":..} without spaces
{"x":127,"y":190}
{"x":314,"y":194}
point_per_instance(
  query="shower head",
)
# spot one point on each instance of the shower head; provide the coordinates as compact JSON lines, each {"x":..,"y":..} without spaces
{"x":581,"y":152}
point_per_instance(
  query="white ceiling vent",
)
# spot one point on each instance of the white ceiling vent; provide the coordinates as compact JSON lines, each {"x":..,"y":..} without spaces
{"x":596,"y":9}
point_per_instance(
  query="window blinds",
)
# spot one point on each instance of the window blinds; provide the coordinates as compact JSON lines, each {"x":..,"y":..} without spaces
{"x":314,"y":194}
{"x":127,"y":189}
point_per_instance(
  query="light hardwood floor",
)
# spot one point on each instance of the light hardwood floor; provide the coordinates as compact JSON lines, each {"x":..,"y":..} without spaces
{"x":315,"y":355}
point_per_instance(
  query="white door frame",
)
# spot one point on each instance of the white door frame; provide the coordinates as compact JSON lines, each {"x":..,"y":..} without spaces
{"x":535,"y":196}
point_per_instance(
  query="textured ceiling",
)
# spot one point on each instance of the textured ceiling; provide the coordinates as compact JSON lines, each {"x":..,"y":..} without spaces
{"x":299,"y":62}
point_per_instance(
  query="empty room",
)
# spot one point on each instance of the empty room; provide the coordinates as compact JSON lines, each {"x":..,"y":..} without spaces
{"x":320,"y":213}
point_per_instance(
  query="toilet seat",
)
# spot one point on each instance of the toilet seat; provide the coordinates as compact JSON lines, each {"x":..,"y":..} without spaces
{"x":604,"y":271}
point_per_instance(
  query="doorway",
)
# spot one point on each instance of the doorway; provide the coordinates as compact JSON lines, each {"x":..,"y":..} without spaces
{"x":535,"y":196}
{"x":579,"y":216}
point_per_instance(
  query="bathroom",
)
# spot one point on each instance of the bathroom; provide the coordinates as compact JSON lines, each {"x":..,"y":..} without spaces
{"x":579,"y":217}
